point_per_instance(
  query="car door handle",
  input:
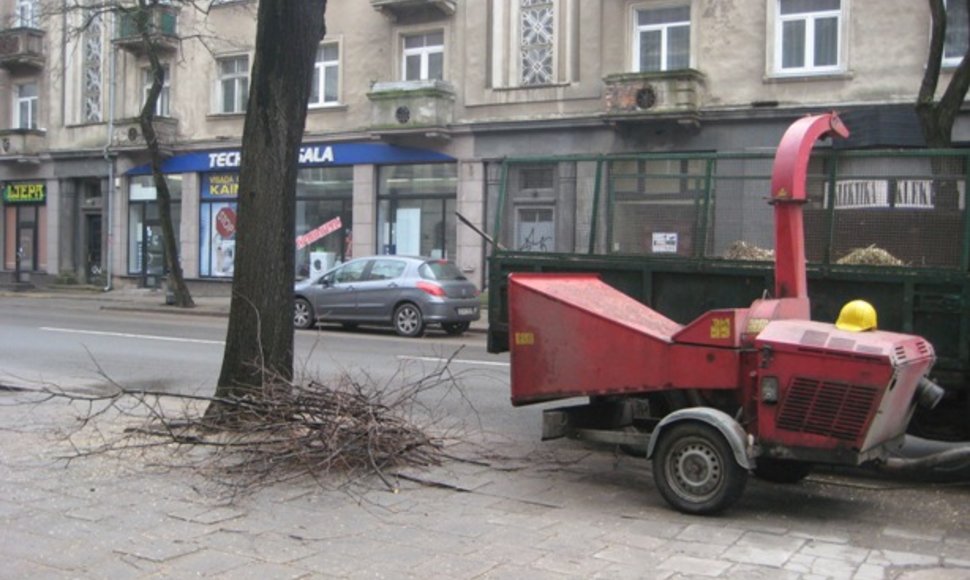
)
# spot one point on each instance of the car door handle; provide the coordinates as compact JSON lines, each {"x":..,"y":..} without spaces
{"x":392,"y":285}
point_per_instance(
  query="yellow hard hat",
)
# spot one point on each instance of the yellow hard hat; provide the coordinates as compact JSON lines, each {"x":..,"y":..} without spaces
{"x":856,"y":316}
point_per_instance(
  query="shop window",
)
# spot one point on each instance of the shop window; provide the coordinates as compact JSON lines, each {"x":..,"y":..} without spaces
{"x":232,"y":89}
{"x":808,"y":36}
{"x":424,"y":56}
{"x":164,"y":98}
{"x":145,"y":239}
{"x":325,"y":89}
{"x":957,"y":32}
{"x":662,"y":39}
{"x":416,"y":210}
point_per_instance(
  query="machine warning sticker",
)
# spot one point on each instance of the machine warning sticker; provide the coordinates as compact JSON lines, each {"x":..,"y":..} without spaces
{"x":524,"y":339}
{"x":756,"y":325}
{"x":720,"y":328}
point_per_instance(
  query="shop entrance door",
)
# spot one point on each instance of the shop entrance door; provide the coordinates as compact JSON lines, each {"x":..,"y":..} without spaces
{"x":93,"y":265}
{"x":26,"y":257}
{"x":154,"y":257}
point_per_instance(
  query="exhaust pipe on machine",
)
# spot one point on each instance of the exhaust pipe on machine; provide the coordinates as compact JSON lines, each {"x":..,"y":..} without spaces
{"x":928,"y":394}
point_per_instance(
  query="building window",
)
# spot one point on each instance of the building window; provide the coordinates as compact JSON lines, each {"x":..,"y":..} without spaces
{"x":164,"y":98}
{"x":424,"y":56}
{"x":26,"y":14}
{"x":662,"y":39}
{"x":957,"y":32}
{"x":324,"y":218}
{"x":807,"y":36}
{"x":326,"y":76}
{"x":537,"y":36}
{"x":233,"y":89}
{"x":93,"y":47}
{"x":25,"y":111}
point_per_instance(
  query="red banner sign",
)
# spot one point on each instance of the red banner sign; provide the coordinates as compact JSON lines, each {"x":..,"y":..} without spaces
{"x":314,"y":235}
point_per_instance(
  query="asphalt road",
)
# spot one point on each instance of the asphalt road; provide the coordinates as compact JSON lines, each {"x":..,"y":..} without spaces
{"x":77,"y":345}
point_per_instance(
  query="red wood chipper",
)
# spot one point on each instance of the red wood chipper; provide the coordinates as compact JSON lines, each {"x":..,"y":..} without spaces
{"x":761,"y":389}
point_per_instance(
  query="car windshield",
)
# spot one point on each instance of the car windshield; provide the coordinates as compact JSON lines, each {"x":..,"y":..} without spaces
{"x":440,"y":270}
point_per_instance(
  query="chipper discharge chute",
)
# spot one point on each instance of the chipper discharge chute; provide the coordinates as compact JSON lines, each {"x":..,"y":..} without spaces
{"x":760,"y":388}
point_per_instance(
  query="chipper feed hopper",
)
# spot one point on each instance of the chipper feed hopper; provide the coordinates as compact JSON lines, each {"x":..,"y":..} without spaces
{"x":760,"y":389}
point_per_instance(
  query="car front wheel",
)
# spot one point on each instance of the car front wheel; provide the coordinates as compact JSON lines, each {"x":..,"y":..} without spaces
{"x":302,"y":314}
{"x":408,"y":320}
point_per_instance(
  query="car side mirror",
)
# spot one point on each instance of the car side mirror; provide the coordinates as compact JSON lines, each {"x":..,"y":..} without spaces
{"x":326,"y":282}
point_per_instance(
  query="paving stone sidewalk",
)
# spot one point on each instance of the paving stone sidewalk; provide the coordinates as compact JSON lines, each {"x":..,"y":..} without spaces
{"x":559,"y":510}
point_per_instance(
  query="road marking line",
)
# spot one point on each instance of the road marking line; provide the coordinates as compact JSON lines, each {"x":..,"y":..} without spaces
{"x":456,"y":360}
{"x":127,"y":335}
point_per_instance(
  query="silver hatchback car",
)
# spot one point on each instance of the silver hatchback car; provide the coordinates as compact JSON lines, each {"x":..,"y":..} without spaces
{"x":406,"y":292}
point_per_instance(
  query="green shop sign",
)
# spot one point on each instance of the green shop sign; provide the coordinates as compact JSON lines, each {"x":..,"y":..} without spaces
{"x":24,"y":193}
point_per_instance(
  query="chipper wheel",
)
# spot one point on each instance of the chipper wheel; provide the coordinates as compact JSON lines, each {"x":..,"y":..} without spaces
{"x":695,"y":470}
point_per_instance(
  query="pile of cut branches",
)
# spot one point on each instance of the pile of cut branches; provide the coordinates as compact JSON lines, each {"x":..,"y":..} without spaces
{"x":346,"y":427}
{"x":870,"y":256}
{"x":741,"y":250}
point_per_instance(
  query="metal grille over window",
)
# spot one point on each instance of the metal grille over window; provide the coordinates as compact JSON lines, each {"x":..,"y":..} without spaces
{"x":93,"y":43}
{"x":537,"y":18}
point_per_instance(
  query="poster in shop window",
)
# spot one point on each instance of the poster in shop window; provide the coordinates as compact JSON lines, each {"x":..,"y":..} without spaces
{"x":218,"y":239}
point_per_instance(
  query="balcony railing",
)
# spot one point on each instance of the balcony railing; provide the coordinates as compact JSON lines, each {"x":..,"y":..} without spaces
{"x":414,"y":9}
{"x":162,"y":23}
{"x":22,"y":49}
{"x":675,"y":95}
{"x":22,"y":144}
{"x":412,"y":107}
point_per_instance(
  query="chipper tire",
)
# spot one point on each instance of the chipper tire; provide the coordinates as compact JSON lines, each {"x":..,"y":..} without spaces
{"x":695,"y":470}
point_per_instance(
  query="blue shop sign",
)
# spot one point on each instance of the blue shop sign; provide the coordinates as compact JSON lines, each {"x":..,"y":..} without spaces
{"x":310,"y":156}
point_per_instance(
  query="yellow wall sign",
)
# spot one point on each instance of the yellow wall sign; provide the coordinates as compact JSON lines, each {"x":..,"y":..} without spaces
{"x":25,"y":192}
{"x":720,"y":328}
{"x":524,"y":339}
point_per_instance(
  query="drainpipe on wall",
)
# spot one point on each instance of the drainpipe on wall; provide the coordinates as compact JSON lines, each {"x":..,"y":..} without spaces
{"x":111,"y":170}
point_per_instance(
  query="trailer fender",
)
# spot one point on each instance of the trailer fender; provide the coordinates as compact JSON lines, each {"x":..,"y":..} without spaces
{"x":731,"y":429}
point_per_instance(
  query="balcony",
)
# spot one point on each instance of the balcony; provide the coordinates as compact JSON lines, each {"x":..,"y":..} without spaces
{"x":667,"y":95}
{"x":22,"y":49}
{"x":22,"y":145}
{"x":424,"y":108}
{"x":162,"y":30}
{"x":414,"y":9}
{"x":127,"y":135}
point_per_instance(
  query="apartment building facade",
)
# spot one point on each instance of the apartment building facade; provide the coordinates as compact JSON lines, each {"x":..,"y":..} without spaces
{"x":414,"y":105}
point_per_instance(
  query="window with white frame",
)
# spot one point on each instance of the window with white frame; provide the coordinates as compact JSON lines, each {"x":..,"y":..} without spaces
{"x":662,"y":39}
{"x":537,"y":39}
{"x":26,"y":13}
{"x":808,"y":36}
{"x":326,"y":76}
{"x":424,"y":56}
{"x":164,"y":98}
{"x":957,"y":32}
{"x":233,"y":84}
{"x":25,"y":106}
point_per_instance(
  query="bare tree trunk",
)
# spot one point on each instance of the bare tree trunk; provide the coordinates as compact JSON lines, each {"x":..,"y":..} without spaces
{"x":937,"y":117}
{"x":146,"y":118}
{"x":259,"y":341}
